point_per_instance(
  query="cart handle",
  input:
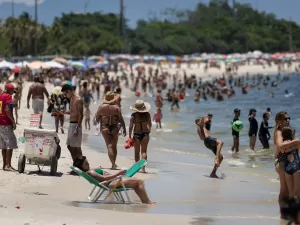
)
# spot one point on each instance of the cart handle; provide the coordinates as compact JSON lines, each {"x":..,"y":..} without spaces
{"x":57,"y":141}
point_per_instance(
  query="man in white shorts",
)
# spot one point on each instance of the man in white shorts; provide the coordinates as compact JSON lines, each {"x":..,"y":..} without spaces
{"x":37,"y":91}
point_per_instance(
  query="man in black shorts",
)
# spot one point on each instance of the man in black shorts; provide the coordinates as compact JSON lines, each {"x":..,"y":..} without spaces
{"x":215,"y":145}
{"x":235,"y":134}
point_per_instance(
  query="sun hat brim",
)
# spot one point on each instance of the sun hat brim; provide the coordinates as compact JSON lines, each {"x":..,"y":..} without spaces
{"x":147,"y":108}
{"x":110,"y":101}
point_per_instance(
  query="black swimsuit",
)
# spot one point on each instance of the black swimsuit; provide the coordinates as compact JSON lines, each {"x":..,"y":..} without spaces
{"x":292,"y":166}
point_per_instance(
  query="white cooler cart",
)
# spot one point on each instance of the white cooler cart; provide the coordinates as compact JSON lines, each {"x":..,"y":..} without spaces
{"x":41,"y":148}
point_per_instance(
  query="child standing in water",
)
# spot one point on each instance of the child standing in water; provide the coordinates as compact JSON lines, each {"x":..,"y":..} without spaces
{"x":157,"y":117}
{"x":87,"y":115}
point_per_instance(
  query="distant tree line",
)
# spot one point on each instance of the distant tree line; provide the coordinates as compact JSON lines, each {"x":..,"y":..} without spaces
{"x":216,"y":27}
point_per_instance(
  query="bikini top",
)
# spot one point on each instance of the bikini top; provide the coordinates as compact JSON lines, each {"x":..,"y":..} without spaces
{"x":141,"y":120}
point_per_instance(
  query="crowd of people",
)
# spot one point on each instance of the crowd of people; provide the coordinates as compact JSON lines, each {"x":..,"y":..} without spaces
{"x":74,"y":96}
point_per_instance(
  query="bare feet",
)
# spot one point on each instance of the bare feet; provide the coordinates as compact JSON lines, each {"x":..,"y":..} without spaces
{"x":9,"y":168}
{"x":114,"y":167}
{"x":151,"y":203}
{"x":213,"y":175}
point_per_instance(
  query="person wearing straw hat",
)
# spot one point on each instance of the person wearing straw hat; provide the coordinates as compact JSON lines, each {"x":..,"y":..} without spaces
{"x":109,"y":116}
{"x":140,"y":127}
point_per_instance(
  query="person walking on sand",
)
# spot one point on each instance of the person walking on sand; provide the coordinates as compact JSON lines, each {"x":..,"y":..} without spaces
{"x":19,"y":88}
{"x":87,"y":118}
{"x":140,"y":128}
{"x":16,"y":99}
{"x":214,"y":144}
{"x":157,"y":118}
{"x":253,"y":129}
{"x":235,"y":134}
{"x":74,"y":138}
{"x":8,"y":140}
{"x":109,"y":116}
{"x":37,"y":91}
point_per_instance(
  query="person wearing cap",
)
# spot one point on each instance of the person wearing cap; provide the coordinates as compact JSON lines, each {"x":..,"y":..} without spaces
{"x":235,"y":134}
{"x":253,"y":129}
{"x":109,"y":116}
{"x":74,"y":138}
{"x":8,"y":140}
{"x":37,"y":91}
{"x":140,"y":128}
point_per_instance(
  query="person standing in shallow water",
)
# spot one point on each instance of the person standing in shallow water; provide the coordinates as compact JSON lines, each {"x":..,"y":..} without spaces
{"x":215,"y":145}
{"x":264,"y":134}
{"x":140,"y":126}
{"x":253,"y":129}
{"x":235,"y":134}
{"x":109,"y":116}
{"x":74,"y":138}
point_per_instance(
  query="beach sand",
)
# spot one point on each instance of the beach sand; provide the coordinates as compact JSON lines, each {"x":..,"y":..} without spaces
{"x":38,"y":198}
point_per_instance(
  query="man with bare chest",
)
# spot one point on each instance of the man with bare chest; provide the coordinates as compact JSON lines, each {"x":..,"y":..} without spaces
{"x":76,"y":115}
{"x":37,"y":91}
{"x":215,"y":145}
{"x":109,"y":116}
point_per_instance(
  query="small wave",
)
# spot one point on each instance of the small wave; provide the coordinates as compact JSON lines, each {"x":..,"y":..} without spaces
{"x":232,"y":162}
{"x":164,"y":130}
{"x":289,"y":95}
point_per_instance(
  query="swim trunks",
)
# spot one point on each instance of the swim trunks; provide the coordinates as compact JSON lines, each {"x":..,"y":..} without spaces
{"x":211,"y":143}
{"x":74,"y":141}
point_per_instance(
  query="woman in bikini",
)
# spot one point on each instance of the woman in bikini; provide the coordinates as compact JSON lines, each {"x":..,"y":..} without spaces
{"x":109,"y":116}
{"x":140,"y":127}
{"x":282,"y":120}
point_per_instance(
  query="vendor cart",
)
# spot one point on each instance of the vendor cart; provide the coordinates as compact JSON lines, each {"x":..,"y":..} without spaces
{"x":41,"y":148}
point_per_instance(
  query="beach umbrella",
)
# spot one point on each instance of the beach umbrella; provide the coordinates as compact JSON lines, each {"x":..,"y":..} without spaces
{"x":37,"y":65}
{"x":94,"y":58}
{"x":53,"y":64}
{"x":57,"y":90}
{"x":138,"y":65}
{"x":77,"y":64}
{"x":5,"y":64}
{"x":60,"y":60}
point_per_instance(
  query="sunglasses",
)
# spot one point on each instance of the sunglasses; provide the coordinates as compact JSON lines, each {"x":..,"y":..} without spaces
{"x":287,"y":118}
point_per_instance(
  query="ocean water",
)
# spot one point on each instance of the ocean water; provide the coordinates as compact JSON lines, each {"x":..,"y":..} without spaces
{"x":250,"y":187}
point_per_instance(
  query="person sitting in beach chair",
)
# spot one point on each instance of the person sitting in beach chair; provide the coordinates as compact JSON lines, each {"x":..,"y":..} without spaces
{"x":134,"y":183}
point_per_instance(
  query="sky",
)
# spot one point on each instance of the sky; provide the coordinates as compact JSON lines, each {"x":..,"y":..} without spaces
{"x":135,"y":9}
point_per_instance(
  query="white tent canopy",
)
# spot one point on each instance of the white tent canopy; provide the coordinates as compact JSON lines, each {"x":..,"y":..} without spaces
{"x":22,"y":64}
{"x":5,"y":64}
